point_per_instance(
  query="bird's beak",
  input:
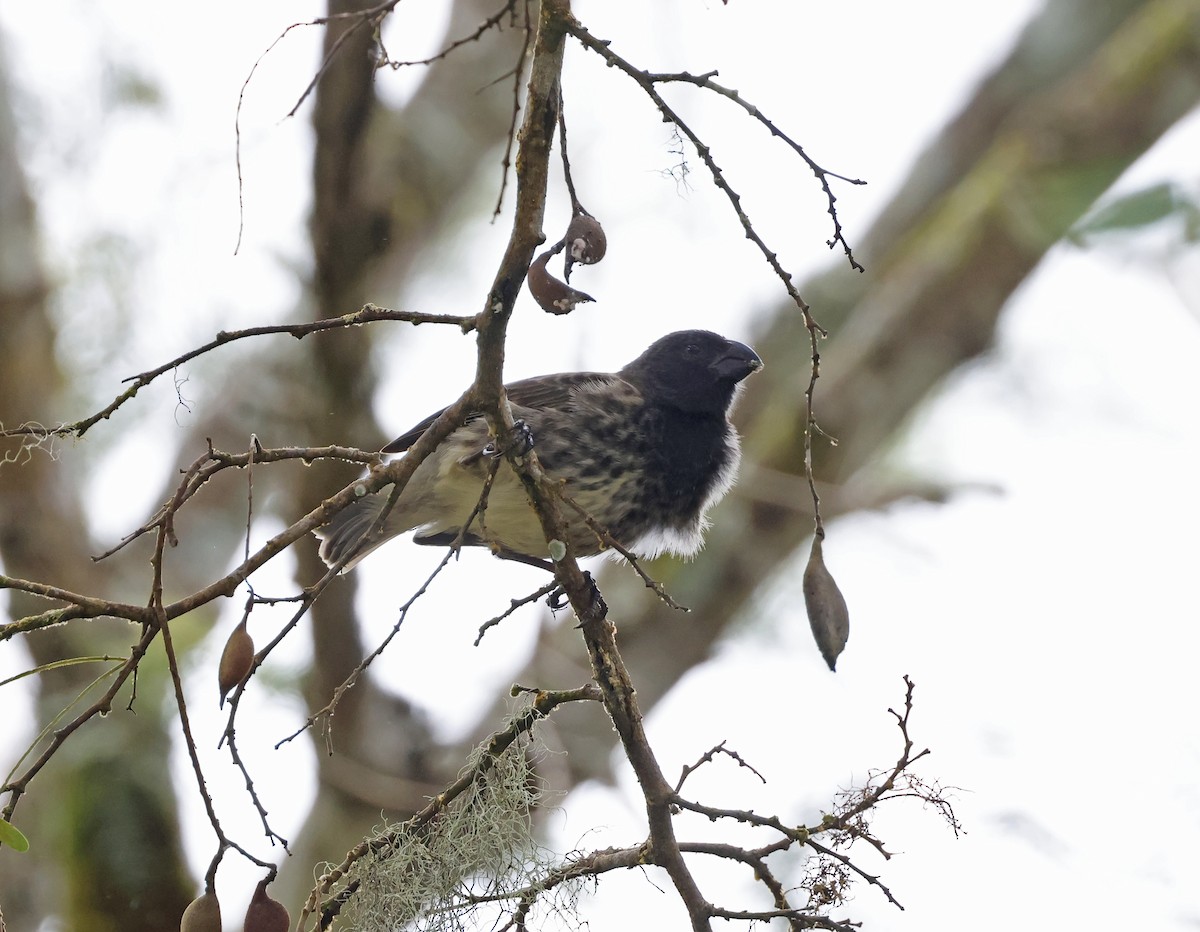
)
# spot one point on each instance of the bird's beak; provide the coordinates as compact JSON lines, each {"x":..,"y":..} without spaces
{"x":737,"y":362}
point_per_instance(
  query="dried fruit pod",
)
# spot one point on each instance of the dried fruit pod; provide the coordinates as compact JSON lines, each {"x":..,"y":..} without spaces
{"x":236,"y":660}
{"x":552,"y":295}
{"x":265,"y":914}
{"x":827,"y":612}
{"x":586,"y":242}
{"x":203,"y":914}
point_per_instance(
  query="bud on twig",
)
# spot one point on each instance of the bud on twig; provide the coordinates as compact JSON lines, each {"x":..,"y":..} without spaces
{"x":827,"y":612}
{"x":236,"y":660}
{"x":264,"y":913}
{"x":552,"y":296}
{"x":586,"y":242}
{"x":203,"y":914}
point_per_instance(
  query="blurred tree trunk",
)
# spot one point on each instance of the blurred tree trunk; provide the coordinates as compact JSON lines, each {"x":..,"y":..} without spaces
{"x":105,"y":853}
{"x":383,"y":196}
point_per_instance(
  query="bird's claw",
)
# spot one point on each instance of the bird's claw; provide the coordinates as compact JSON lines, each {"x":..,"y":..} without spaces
{"x":522,"y":437}
{"x":597,"y":607}
{"x":522,"y":441}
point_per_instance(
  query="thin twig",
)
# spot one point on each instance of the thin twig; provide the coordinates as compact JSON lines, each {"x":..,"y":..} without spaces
{"x":326,"y":714}
{"x":822,"y":174}
{"x":367,"y":314}
{"x":510,"y":143}
{"x":513,"y":606}
{"x":224,"y":842}
{"x":707,"y":757}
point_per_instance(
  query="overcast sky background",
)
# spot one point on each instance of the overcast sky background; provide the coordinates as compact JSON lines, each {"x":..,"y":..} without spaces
{"x":1047,"y":614}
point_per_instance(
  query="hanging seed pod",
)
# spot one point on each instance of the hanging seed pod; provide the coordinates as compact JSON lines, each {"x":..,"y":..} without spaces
{"x":236,"y":660}
{"x":552,"y":296}
{"x":586,"y":242}
{"x":827,"y":612}
{"x":203,"y":914}
{"x":264,"y":913}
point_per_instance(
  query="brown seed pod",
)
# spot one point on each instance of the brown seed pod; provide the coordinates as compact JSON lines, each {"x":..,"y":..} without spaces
{"x":203,"y":914}
{"x":586,"y":242}
{"x":236,"y":660}
{"x":827,"y":612}
{"x":552,"y":296}
{"x":264,"y":913}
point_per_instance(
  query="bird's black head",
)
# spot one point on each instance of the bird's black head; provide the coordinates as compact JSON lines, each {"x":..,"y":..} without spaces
{"x":692,"y":370}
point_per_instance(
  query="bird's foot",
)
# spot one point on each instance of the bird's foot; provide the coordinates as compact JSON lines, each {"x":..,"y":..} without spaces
{"x":522,"y":438}
{"x":522,"y":441}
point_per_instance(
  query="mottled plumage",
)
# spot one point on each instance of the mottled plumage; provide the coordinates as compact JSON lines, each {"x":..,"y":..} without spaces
{"x":646,"y":451}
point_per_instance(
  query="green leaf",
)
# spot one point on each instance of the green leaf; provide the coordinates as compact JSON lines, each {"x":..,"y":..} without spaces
{"x":1134,"y":211}
{"x":11,"y":835}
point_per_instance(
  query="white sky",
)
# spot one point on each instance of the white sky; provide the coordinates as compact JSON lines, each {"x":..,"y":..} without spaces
{"x":1050,"y":626}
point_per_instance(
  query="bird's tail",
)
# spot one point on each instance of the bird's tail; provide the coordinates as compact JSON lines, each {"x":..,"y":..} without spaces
{"x":345,"y":536}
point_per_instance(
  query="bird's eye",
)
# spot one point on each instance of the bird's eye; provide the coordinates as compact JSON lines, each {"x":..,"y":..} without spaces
{"x":691,"y":349}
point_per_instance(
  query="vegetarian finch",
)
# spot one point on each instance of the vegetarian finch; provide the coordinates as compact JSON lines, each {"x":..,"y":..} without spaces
{"x":645,"y":451}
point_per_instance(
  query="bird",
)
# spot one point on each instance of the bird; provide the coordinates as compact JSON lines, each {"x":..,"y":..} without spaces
{"x":646,"y":451}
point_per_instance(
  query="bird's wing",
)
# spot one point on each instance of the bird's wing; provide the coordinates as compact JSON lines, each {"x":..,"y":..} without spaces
{"x":552,"y":391}
{"x":539,"y":393}
{"x":413,"y":434}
